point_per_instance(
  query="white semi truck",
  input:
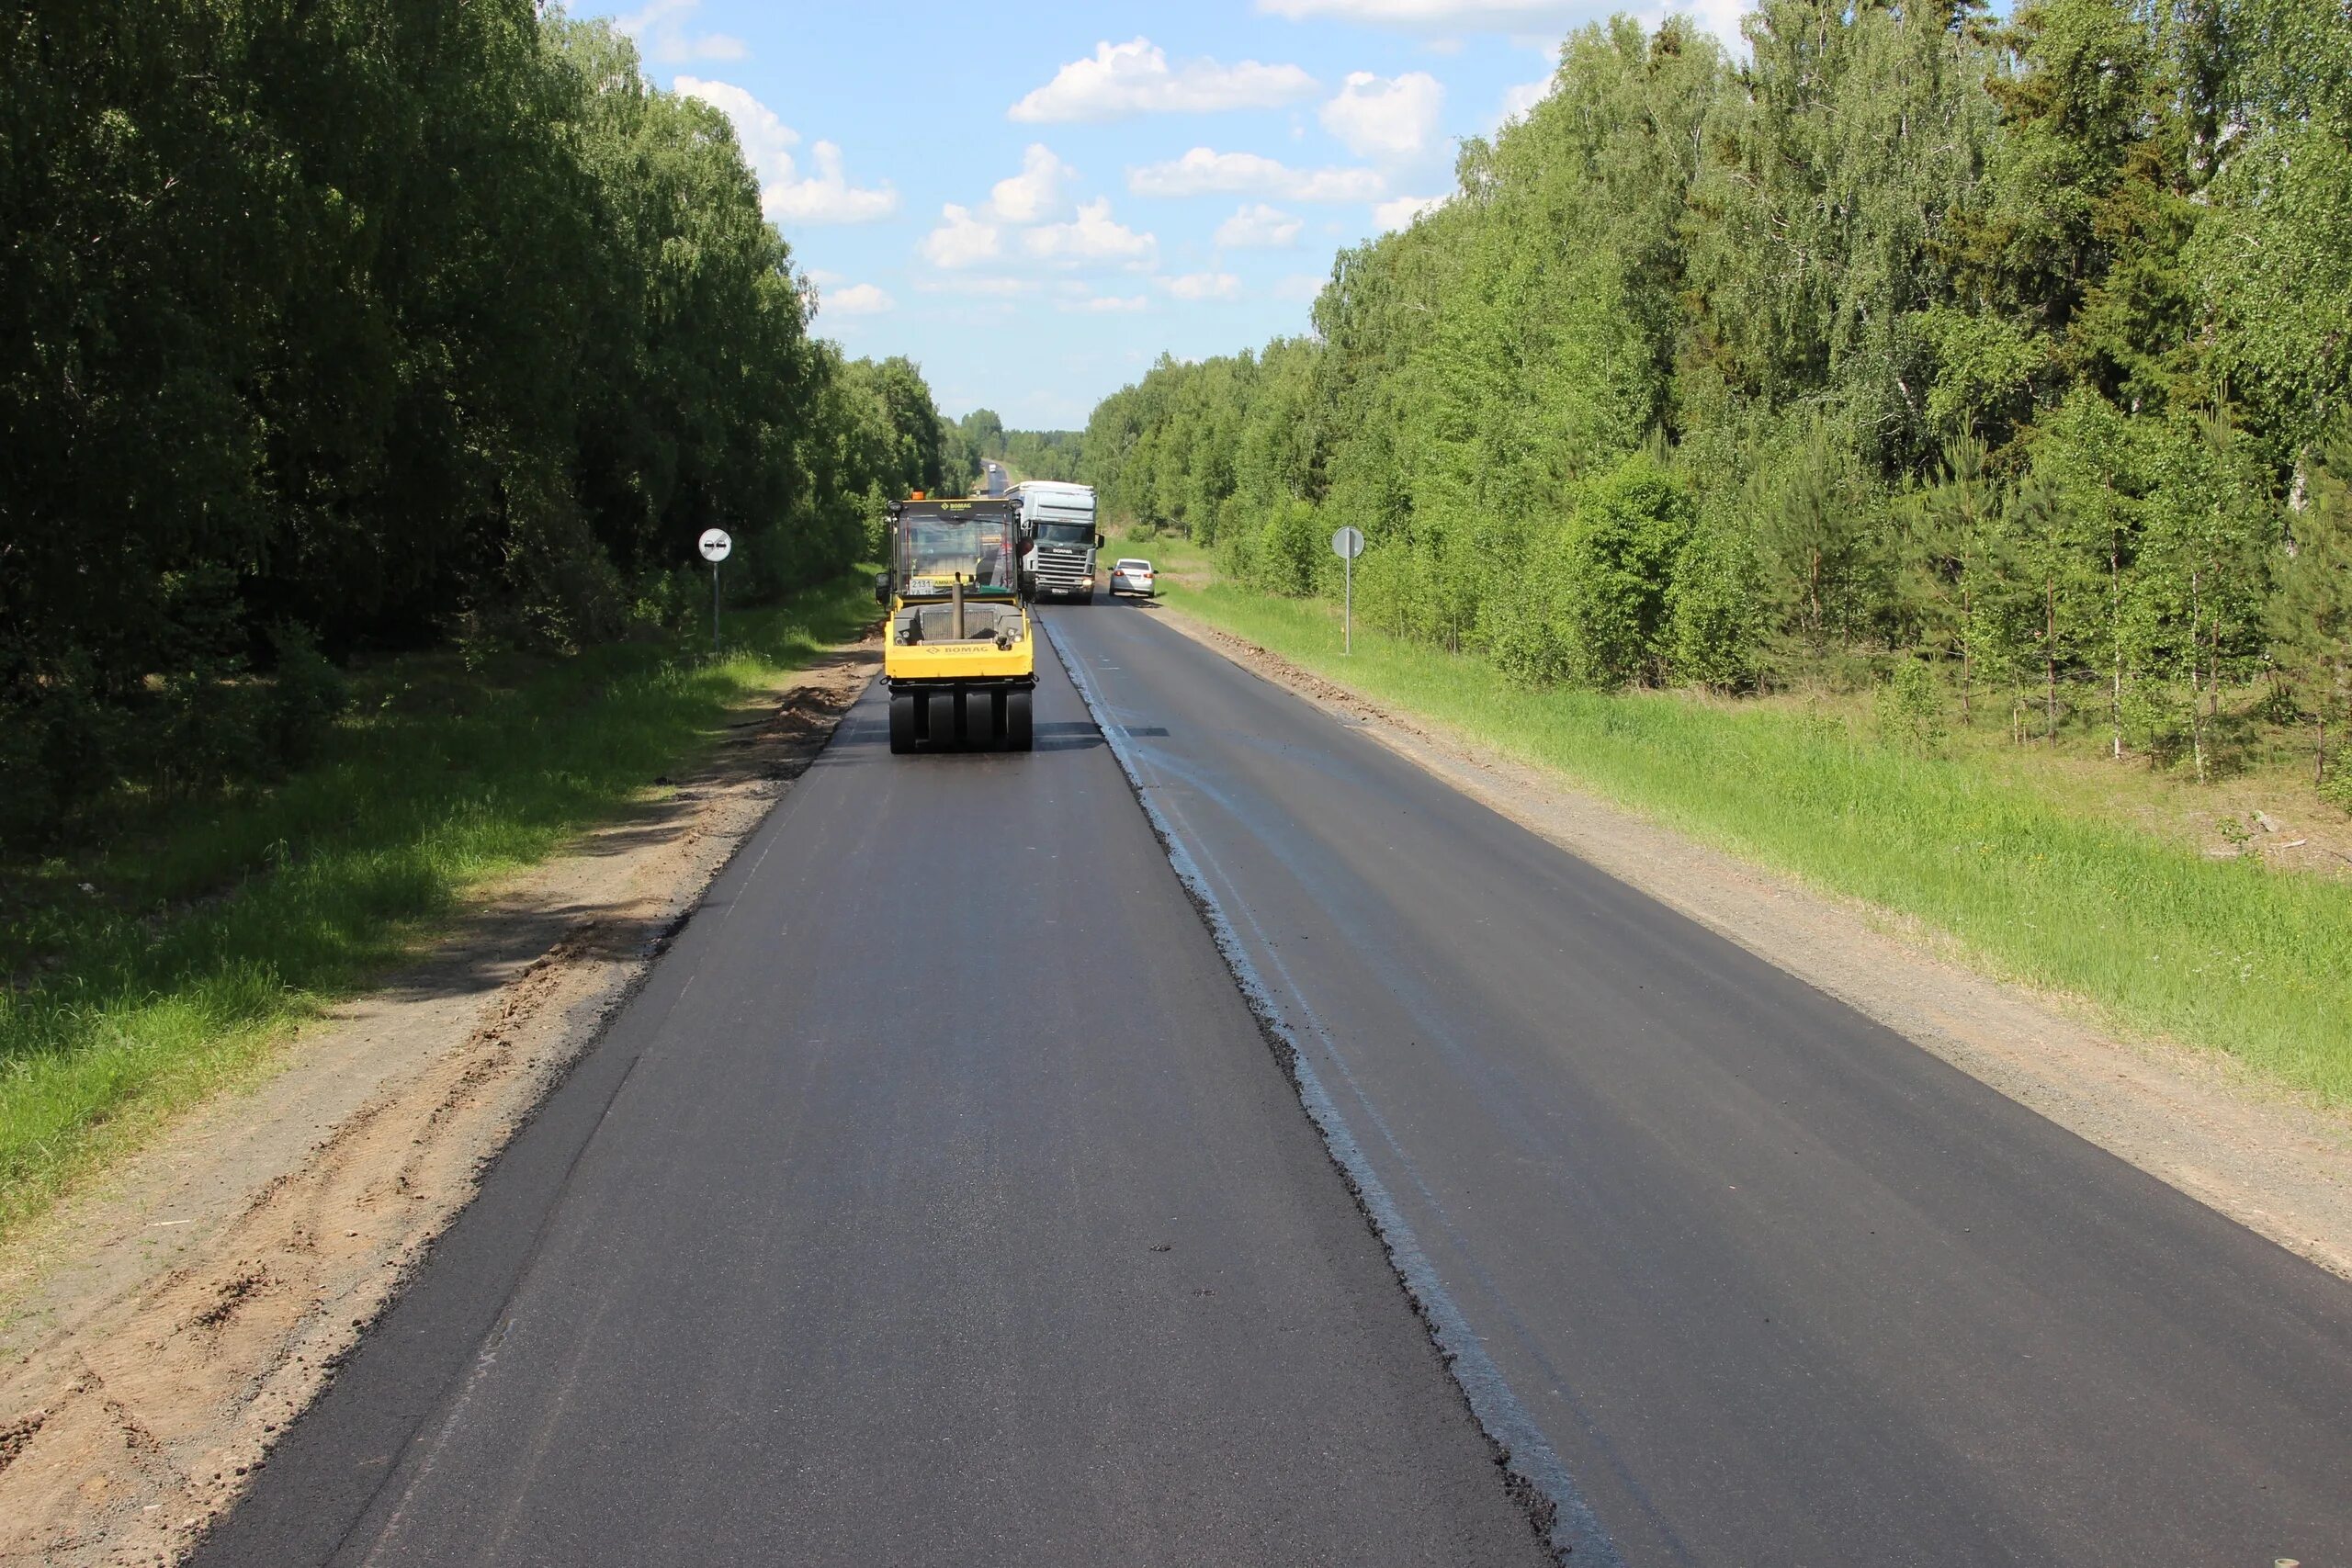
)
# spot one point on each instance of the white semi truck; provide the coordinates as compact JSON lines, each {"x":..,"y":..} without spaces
{"x":1058,"y":538}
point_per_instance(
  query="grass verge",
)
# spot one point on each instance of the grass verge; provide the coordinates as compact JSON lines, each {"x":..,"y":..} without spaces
{"x":2163,"y":941}
{"x":145,"y":976}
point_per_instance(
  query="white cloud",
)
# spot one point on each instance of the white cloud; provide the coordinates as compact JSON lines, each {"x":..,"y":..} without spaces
{"x":1103,"y":304}
{"x":1517,"y":100}
{"x":1720,"y":17}
{"x":662,"y":36}
{"x":1203,"y":172}
{"x":1035,"y":193}
{"x":1401,"y":212}
{"x":1014,"y":221}
{"x":857,"y":299}
{"x":1199,"y":285}
{"x":962,"y":240}
{"x":1093,"y":238}
{"x":1304,"y":285}
{"x":1390,"y":117}
{"x":1134,"y":78}
{"x":979,"y":287}
{"x":1258,"y":227}
{"x":1439,"y":16}
{"x":766,"y":140}
{"x":825,"y":196}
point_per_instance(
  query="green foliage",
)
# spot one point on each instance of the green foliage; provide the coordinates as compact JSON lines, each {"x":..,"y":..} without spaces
{"x":1029,"y":453}
{"x":2311,"y":618}
{"x":1623,"y":548}
{"x":2033,"y":886}
{"x":2004,"y":344}
{"x":364,"y":324}
{"x":151,"y":969}
{"x":1910,"y":709}
{"x":1716,"y":631}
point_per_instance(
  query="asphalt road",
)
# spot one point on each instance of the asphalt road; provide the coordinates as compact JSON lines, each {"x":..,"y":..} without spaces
{"x":1773,"y":1285}
{"x":843,"y":1246}
{"x":937,"y":1202}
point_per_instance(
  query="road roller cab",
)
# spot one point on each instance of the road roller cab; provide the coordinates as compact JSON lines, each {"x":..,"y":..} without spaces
{"x":960,"y":660}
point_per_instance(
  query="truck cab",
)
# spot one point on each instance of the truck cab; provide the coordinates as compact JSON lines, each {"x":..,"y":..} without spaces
{"x":960,"y":655}
{"x":1058,"y":540}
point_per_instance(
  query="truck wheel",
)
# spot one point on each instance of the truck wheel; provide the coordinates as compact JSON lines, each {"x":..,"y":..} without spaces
{"x":1018,"y":735}
{"x":902,"y":722}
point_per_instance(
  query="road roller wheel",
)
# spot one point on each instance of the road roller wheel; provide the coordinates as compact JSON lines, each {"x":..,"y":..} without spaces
{"x":902,"y":722}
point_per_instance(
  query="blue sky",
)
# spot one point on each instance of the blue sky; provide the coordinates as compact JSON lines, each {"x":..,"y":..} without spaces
{"x":1034,"y":201}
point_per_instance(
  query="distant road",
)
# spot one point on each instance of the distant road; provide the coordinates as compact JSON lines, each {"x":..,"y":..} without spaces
{"x":846,"y":1247}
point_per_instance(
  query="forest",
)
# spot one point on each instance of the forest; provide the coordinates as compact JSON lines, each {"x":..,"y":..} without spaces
{"x":2000,"y":364}
{"x":1030,"y":454}
{"x":330,"y":327}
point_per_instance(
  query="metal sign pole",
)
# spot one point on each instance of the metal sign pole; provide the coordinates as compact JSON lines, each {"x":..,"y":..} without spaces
{"x":1348,"y":543}
{"x":715,"y":546}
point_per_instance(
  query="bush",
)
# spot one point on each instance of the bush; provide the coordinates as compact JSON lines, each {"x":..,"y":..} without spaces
{"x":1911,"y":709}
{"x":57,"y":753}
{"x":306,"y":696}
{"x":1285,"y":559}
{"x":1629,"y":533}
{"x":1715,"y":632}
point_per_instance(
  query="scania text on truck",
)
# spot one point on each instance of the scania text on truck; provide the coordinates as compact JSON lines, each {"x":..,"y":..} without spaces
{"x":1057,"y":538}
{"x":960,"y":658}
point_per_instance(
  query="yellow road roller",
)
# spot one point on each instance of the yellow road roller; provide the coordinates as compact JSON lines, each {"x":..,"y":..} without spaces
{"x":961,"y":659}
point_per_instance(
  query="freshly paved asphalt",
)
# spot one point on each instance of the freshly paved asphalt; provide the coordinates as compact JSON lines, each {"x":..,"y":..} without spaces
{"x":937,"y":1202}
{"x":1774,"y":1285}
{"x":841,"y":1248}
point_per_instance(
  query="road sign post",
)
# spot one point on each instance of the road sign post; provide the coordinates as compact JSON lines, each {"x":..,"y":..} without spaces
{"x":1348,"y":543}
{"x":716,"y":545}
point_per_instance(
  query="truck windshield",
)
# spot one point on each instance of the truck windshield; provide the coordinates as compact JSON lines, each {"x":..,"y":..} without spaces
{"x":1065,"y":532}
{"x":942,"y":548}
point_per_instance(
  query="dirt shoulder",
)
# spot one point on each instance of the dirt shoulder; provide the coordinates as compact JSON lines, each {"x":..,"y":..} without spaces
{"x":2192,"y":1119}
{"x":158,"y":1330}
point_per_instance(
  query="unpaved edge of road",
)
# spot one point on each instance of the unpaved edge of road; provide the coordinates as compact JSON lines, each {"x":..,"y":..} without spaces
{"x":164,"y":1325}
{"x":2192,"y":1119}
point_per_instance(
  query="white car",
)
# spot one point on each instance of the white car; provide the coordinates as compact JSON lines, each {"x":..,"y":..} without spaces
{"x":1134,"y":577}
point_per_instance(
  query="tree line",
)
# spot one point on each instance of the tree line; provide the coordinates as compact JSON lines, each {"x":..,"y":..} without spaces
{"x":2005,"y":359}
{"x":338,"y":325}
{"x":1030,"y":454}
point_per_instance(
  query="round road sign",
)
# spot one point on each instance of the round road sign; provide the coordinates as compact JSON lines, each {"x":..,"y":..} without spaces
{"x":1347,"y":543}
{"x":716,"y":544}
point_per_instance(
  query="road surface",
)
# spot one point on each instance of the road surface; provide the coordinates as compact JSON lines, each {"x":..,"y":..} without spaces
{"x":799,"y":1267}
{"x":937,"y":1202}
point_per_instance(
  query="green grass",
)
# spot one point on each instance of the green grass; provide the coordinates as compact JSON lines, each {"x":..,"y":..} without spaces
{"x":150,"y":973}
{"x":2159,"y":939}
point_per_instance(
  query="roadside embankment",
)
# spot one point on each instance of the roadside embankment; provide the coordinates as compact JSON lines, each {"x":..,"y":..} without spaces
{"x":2272,"y":1160}
{"x":142,"y":974}
{"x":168,"y":1317}
{"x":2154,"y":937}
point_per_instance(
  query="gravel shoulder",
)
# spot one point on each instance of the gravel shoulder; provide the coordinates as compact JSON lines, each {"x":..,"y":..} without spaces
{"x":160,"y":1330}
{"x":2275,"y":1164}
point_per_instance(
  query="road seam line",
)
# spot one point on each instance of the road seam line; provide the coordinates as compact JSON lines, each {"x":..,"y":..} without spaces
{"x":1538,"y":1481}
